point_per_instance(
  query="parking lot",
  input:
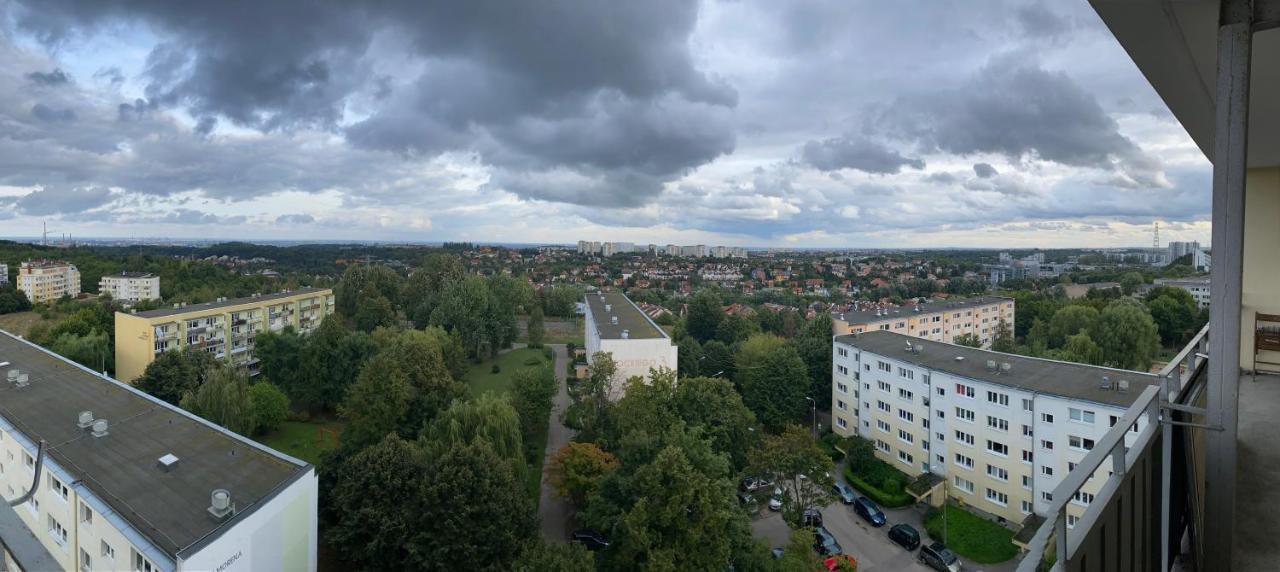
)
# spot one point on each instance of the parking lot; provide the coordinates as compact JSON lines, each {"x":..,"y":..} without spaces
{"x":870,"y":546}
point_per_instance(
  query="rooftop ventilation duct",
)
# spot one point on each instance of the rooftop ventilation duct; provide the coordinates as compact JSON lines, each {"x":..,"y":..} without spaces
{"x":13,"y":376}
{"x":1123,"y":386}
{"x":613,"y":320}
{"x":220,"y":505}
{"x":626,"y":334}
{"x":608,"y":307}
{"x":167,"y":463}
{"x":959,"y":358}
{"x":23,"y":380}
{"x":85,"y":420}
{"x":1006,"y":367}
{"x":99,"y":428}
{"x":1105,"y":384}
{"x":991,"y":364}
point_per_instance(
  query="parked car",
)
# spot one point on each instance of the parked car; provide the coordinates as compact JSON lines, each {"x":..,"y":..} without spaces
{"x":775,"y":501}
{"x":869,"y":511}
{"x":832,"y":563}
{"x":750,"y":484}
{"x":905,"y":536}
{"x":749,"y":503}
{"x":777,"y":553}
{"x":811,"y":517}
{"x":939,"y":557}
{"x":591,"y":539}
{"x":824,"y":542}
{"x":844,"y":492}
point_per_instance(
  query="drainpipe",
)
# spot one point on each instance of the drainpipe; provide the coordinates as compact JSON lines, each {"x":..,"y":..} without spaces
{"x":35,"y":479}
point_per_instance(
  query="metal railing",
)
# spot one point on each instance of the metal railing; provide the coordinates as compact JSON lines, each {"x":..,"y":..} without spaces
{"x":1138,"y":546}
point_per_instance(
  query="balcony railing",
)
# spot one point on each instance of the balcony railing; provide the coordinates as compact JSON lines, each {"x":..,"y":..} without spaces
{"x":1137,"y":518}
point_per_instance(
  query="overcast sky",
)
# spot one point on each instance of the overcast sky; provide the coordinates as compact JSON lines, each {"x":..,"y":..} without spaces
{"x":740,"y":122}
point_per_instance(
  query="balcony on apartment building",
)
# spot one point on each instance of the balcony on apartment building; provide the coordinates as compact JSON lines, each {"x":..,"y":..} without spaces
{"x":1196,"y":491}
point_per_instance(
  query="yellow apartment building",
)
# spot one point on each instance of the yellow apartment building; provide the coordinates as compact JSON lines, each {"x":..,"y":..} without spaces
{"x":940,"y":321}
{"x":224,"y":328}
{"x":45,"y":281}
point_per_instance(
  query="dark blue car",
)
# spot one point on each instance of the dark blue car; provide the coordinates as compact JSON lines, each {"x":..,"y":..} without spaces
{"x":869,"y":511}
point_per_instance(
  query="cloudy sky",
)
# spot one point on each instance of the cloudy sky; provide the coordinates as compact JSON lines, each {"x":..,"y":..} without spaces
{"x":744,"y":122}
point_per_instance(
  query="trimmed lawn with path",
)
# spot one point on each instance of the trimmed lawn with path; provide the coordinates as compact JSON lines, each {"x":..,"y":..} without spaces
{"x":482,"y":380}
{"x":305,"y":440}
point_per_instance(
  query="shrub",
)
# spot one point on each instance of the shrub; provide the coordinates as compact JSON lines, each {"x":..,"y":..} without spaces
{"x":889,"y":478}
{"x":270,"y":406}
{"x":533,"y":361}
{"x":495,"y":369}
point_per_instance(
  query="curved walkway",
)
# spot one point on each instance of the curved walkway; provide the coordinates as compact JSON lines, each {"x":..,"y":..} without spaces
{"x":554,"y":511}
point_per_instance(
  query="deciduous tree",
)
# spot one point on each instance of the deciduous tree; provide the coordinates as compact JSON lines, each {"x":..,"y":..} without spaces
{"x":577,"y":469}
{"x":800,"y":466}
{"x":224,"y":399}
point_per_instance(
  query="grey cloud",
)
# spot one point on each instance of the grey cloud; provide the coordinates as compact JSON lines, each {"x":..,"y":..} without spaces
{"x":1038,"y":21}
{"x":57,"y":200}
{"x":45,"y":113}
{"x":53,"y":78}
{"x":110,"y":74}
{"x":295,"y":219}
{"x":984,"y":170}
{"x":942,"y":178}
{"x":856,"y":152}
{"x":189,"y":216}
{"x":1018,"y":109}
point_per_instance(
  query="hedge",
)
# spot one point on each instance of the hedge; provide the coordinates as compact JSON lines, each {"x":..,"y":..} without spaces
{"x":881,"y":472}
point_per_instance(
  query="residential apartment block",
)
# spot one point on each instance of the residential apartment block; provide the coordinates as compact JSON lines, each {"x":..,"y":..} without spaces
{"x":1197,"y":287}
{"x":224,"y":328}
{"x":130,"y":286}
{"x":940,"y":321}
{"x":1001,"y":430}
{"x":4,"y":274}
{"x":129,"y":482}
{"x":616,"y":326}
{"x":46,"y":281}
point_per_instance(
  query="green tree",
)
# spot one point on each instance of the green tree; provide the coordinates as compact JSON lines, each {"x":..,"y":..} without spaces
{"x":464,"y":309}
{"x":561,"y":301}
{"x":1068,"y":321}
{"x":1130,"y":281}
{"x":688,"y":356}
{"x":330,"y":361}
{"x":532,"y":392}
{"x":373,"y":512}
{"x":589,"y":414}
{"x":860,"y":453}
{"x":813,"y":343}
{"x":1003,"y":340}
{"x":92,"y":350}
{"x":280,"y":357}
{"x":718,"y":360}
{"x":373,"y":310}
{"x":798,"y":556}
{"x":1080,"y":348}
{"x":968,"y":340}
{"x":1175,"y":318}
{"x":774,"y":384}
{"x":270,"y":406}
{"x":13,"y":300}
{"x":706,"y":311}
{"x":489,"y":418}
{"x":176,"y":373}
{"x":1127,"y":335}
{"x":736,"y":328}
{"x":577,"y":469}
{"x":537,"y":332}
{"x":539,"y":556}
{"x":802,"y":468}
{"x":224,"y":399}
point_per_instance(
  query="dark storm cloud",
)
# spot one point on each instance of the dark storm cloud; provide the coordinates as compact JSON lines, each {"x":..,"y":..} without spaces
{"x":1038,"y":21}
{"x":608,"y":90}
{"x":53,"y":78}
{"x":58,"y":200}
{"x":45,"y":113}
{"x":984,"y":170}
{"x":855,"y":152}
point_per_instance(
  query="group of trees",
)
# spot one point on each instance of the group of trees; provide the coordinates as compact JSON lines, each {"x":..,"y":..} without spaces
{"x":197,"y":382}
{"x":81,"y":331}
{"x":13,"y":300}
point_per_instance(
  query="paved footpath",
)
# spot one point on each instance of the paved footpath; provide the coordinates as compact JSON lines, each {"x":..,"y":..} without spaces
{"x":554,"y":511}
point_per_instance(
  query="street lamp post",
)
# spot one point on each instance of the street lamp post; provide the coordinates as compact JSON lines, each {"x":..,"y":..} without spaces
{"x":814,"y":405}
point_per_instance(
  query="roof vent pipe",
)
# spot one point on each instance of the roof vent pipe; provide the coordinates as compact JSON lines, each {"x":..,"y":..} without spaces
{"x":99,"y":428}
{"x":220,"y":505}
{"x":85,"y":419}
{"x":626,"y":334}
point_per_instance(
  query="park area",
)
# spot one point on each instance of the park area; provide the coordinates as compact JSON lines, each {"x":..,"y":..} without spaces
{"x":306,"y":440}
{"x":971,"y":536}
{"x":484,"y":378}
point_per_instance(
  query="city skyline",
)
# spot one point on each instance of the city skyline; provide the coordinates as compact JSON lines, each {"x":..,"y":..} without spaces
{"x":718,"y":123}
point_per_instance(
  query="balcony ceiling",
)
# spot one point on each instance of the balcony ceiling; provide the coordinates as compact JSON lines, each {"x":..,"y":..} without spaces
{"x":1174,"y":44}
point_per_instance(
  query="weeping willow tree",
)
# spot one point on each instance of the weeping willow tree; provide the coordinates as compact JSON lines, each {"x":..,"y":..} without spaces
{"x":224,"y":399}
{"x":487,"y":418}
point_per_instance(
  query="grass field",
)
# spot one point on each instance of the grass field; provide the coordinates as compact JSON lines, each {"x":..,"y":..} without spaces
{"x":555,"y":330}
{"x":307,"y":441}
{"x":19,"y":323}
{"x":972,"y":536}
{"x":482,"y":379}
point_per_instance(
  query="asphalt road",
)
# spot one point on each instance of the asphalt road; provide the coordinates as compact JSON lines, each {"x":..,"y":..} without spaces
{"x":554,"y":511}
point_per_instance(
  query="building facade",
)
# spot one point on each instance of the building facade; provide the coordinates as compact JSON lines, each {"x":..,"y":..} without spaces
{"x":1197,"y":287}
{"x":939,"y":321}
{"x":130,"y":286}
{"x":1001,"y":430}
{"x":45,"y":281}
{"x":224,"y":328}
{"x":128,"y":482}
{"x":616,"y":326}
{"x":4,"y":273}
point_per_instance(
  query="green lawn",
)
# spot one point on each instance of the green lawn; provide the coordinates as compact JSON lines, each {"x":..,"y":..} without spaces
{"x":307,"y":441}
{"x":482,"y":379}
{"x":972,"y":536}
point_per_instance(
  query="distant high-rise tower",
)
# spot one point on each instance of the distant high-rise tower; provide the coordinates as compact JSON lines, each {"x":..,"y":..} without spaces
{"x":1155,"y":243}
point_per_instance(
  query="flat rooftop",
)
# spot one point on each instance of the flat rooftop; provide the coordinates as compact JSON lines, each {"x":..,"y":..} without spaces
{"x":630,"y":318}
{"x":120,"y":468}
{"x":227,"y":303}
{"x":907,"y":310}
{"x":129,"y":275}
{"x":1078,"y":381}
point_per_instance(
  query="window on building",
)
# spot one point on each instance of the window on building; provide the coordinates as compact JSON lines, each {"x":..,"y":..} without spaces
{"x":966,"y":438}
{"x":1046,"y":470}
{"x":141,"y":564}
{"x":965,"y":414}
{"x":881,"y":425}
{"x":1046,"y":444}
{"x":1027,"y":457}
{"x":906,"y":415}
{"x":905,"y":436}
{"x":1080,"y":443}
{"x":1026,"y":507}
{"x":86,"y":515}
{"x":1047,"y":496}
{"x":882,"y":446}
{"x":939,"y":437}
{"x":1082,"y":498}
{"x":963,"y":461}
{"x":1026,"y":405}
{"x":998,"y":398}
{"x":58,"y":488}
{"x":86,"y":562}
{"x":997,"y":473}
{"x":907,"y":395}
{"x":842,"y":388}
{"x":884,"y":407}
{"x":884,"y":386}
{"x":963,"y":484}
{"x":997,"y":497}
{"x":1026,"y":481}
{"x":884,"y":366}
{"x":997,"y":448}
{"x":841,"y":423}
{"x":965,"y":390}
{"x":842,"y":370}
{"x":997,"y":423}
{"x":906,"y":458}
{"x":1027,"y":431}
{"x":1046,"y":417}
{"x":28,"y":460}
{"x":57,"y":532}
{"x":1080,"y":415}
{"x":1072,"y":520}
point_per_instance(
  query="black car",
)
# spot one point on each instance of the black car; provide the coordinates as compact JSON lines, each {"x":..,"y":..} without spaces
{"x":844,"y":492}
{"x":905,"y":536}
{"x":591,"y":539}
{"x":939,"y":557}
{"x":824,"y":543}
{"x":869,"y":511}
{"x":811,"y":517}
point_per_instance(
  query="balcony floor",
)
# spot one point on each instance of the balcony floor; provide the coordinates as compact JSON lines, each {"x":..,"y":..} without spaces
{"x":1257,"y":475}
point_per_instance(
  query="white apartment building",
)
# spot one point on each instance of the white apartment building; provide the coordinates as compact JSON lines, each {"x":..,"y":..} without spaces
{"x":130,"y":286}
{"x":1197,"y":287}
{"x":1001,"y":430}
{"x":939,"y":321}
{"x":46,"y":281}
{"x":129,"y":482}
{"x":616,"y":326}
{"x":4,"y":273}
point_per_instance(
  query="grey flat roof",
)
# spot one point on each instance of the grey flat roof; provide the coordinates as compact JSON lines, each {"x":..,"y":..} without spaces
{"x":129,"y":275}
{"x":225,"y":303}
{"x":630,"y":317}
{"x":120,"y":469}
{"x":907,"y":310}
{"x":1065,"y":379}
